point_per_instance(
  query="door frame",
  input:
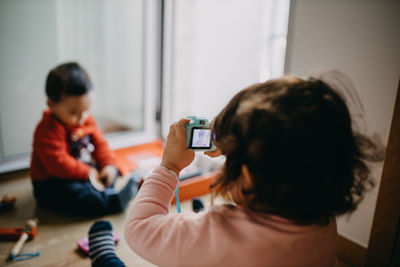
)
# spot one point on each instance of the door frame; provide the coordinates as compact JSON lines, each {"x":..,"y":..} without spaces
{"x":384,"y":232}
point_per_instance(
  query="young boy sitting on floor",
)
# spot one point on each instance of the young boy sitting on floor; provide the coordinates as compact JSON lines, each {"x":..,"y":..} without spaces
{"x":69,"y":151}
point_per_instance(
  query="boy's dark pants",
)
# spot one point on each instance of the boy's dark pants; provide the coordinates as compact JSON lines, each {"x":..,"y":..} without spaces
{"x":81,"y":197}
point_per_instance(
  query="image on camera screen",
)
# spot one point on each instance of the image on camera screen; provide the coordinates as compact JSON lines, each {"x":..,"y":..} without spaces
{"x":201,"y":138}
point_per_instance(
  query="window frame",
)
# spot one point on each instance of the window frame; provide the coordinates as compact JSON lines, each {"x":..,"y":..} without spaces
{"x":152,"y":58}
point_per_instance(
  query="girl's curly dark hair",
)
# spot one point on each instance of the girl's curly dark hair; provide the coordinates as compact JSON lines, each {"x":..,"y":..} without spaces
{"x":295,"y":137}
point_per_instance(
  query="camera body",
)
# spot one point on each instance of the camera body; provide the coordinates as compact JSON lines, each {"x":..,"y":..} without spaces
{"x":198,"y":134}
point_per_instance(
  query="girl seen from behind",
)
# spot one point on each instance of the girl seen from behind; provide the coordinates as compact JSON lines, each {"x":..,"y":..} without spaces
{"x":293,"y":163}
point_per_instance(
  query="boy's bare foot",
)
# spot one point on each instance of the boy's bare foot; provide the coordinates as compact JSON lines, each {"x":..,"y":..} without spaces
{"x":121,"y":181}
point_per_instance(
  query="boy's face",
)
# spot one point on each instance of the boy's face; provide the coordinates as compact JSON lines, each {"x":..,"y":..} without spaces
{"x":71,"y":110}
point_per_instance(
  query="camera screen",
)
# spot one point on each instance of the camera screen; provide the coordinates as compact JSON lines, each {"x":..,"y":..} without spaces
{"x":201,"y":138}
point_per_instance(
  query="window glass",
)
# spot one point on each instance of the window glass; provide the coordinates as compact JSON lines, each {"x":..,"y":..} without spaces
{"x":218,"y":48}
{"x":105,"y":37}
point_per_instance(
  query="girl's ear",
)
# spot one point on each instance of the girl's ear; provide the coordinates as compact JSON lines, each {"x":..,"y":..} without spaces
{"x":247,"y":179}
{"x":50,"y":103}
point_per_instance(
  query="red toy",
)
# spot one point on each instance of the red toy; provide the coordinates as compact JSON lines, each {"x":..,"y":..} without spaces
{"x":30,"y":229}
{"x":22,"y":234}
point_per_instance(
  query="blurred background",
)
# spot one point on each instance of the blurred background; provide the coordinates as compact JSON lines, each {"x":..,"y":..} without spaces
{"x":144,"y":57}
{"x":155,"y":61}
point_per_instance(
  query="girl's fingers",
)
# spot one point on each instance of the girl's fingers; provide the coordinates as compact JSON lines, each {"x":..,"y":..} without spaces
{"x":177,"y":129}
{"x":181,"y":128}
{"x":172,"y":130}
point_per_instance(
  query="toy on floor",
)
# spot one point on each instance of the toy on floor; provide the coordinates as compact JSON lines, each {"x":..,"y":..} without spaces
{"x":22,"y":234}
{"x":7,"y":203}
{"x":83,"y":243}
{"x":197,"y":204}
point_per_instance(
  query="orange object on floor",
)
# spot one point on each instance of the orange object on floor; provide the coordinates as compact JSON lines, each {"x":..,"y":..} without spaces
{"x":149,"y":155}
{"x":14,"y":233}
{"x":129,"y":157}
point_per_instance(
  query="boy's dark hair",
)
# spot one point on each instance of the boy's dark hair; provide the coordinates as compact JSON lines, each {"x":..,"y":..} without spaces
{"x":67,"y":79}
{"x":295,"y":136}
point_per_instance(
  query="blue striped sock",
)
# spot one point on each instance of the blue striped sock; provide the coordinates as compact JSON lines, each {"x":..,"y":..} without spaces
{"x":101,"y":245}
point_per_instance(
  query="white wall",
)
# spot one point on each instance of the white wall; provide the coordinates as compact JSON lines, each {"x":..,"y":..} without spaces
{"x":27,"y":50}
{"x":220,"y":47}
{"x":361,"y":39}
{"x":107,"y":39}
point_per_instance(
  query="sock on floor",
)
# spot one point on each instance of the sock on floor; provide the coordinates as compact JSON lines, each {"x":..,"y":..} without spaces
{"x":101,"y":245}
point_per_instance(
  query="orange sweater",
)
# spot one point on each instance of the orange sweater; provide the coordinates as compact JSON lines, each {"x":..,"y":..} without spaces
{"x":51,"y":156}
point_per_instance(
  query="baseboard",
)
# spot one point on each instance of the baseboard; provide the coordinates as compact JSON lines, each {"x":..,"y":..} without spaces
{"x":349,"y":252}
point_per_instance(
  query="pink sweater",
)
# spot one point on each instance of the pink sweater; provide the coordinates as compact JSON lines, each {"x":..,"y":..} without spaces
{"x":223,"y":236}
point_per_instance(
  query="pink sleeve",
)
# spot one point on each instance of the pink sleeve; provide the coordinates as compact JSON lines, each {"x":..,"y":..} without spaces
{"x":149,"y":230}
{"x":154,"y":196}
{"x":221,"y":236}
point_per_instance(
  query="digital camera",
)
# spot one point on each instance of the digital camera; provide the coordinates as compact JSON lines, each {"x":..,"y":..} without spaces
{"x":198,"y":134}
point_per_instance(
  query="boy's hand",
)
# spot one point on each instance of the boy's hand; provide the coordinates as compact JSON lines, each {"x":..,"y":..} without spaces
{"x":176,"y":156}
{"x":108,"y":174}
{"x":94,"y":179}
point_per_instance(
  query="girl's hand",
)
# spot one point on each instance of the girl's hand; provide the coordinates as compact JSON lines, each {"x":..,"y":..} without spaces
{"x":108,"y":174}
{"x":176,"y":156}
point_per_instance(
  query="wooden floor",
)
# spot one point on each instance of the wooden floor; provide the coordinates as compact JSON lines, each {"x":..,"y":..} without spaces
{"x":57,"y":234}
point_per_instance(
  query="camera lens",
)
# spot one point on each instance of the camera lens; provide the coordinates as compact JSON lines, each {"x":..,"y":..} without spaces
{"x":202,"y":122}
